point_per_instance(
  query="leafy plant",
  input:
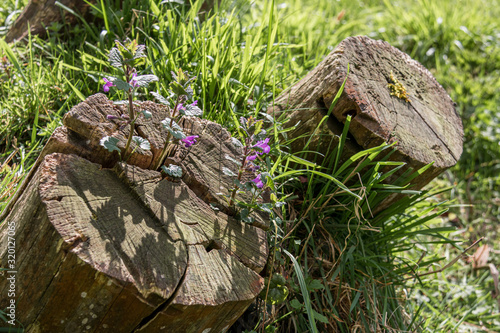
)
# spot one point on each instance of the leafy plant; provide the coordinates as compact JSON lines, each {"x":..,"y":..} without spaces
{"x":244,"y":54}
{"x":125,"y":57}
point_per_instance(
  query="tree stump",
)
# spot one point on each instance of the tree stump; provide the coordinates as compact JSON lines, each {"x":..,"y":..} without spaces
{"x":39,"y":14}
{"x":424,"y":124}
{"x":106,"y":246}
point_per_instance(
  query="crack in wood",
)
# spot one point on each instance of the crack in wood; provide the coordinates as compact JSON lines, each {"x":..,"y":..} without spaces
{"x":160,"y":308}
{"x":435,"y":134}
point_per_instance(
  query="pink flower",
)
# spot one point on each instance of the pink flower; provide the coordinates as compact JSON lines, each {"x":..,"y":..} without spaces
{"x":194,"y":103}
{"x":258,"y":182}
{"x":251,"y":157}
{"x":190,"y":140}
{"x":180,"y":107}
{"x":262,"y":144}
{"x":133,"y":81}
{"x":107,"y":85}
{"x":252,"y":167}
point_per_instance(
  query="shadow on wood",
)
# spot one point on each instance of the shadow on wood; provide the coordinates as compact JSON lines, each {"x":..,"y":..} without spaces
{"x":123,"y":249}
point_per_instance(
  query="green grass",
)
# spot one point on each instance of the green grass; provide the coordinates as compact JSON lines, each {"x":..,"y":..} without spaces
{"x":246,"y":55}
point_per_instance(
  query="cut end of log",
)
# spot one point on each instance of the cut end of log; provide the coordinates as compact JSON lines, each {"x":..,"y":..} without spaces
{"x":390,"y":98}
{"x":124,"y":248}
{"x":425,"y":125}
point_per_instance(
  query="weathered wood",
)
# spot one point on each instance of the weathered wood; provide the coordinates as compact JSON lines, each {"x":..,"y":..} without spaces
{"x":202,"y":163}
{"x":39,"y":14}
{"x":123,"y":249}
{"x":426,"y":128}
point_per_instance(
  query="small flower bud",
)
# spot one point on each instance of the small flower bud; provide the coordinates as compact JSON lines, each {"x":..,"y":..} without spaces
{"x":108,"y":84}
{"x":258,"y":182}
{"x":190,"y":140}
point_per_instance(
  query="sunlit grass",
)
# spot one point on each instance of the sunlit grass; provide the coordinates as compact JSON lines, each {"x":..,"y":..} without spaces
{"x":246,"y":55}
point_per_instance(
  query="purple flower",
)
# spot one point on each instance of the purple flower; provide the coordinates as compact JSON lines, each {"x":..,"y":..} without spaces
{"x":111,"y":117}
{"x":133,"y":81}
{"x":251,"y":157}
{"x":252,"y":167}
{"x":258,"y":182}
{"x":190,"y":140}
{"x":194,"y":103}
{"x":107,"y":85}
{"x":180,"y":107}
{"x":262,"y":144}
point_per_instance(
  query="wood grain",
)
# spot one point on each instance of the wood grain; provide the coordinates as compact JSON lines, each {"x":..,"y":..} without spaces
{"x":109,"y":246}
{"x":426,"y":129}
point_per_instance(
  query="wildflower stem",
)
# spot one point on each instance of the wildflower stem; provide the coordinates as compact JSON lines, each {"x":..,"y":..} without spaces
{"x":132,"y":123}
{"x":240,"y":174}
{"x":167,"y":140}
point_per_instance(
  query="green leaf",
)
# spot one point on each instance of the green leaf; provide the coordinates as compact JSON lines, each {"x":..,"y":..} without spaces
{"x":319,"y":317}
{"x":12,"y":329}
{"x":279,"y":204}
{"x":278,"y":280}
{"x":227,"y":157}
{"x":305,"y":292}
{"x":172,"y":170}
{"x":277,"y":295}
{"x":140,"y":52}
{"x":343,"y":137}
{"x":238,"y":183}
{"x":160,"y":98}
{"x":333,"y":179}
{"x":110,"y":143}
{"x":147,"y":114}
{"x":75,"y":89}
{"x":302,"y":161}
{"x":178,"y":89}
{"x":141,"y":142}
{"x":115,"y":58}
{"x":228,"y":172}
{"x":179,"y":2}
{"x":236,"y":142}
{"x":128,"y":50}
{"x":294,"y":303}
{"x":315,"y":285}
{"x":244,"y":216}
{"x":173,"y":128}
{"x":145,"y":80}
{"x":258,"y":127}
{"x":120,"y":84}
{"x":355,"y":301}
{"x":266,"y":207}
{"x":189,"y":92}
{"x":192,"y":110}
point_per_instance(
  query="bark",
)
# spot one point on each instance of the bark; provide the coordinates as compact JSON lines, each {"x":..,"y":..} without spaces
{"x":106,"y":246}
{"x":427,"y":128}
{"x":39,"y":14}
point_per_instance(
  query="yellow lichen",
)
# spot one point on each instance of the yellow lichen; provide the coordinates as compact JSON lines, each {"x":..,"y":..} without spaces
{"x":397,"y":89}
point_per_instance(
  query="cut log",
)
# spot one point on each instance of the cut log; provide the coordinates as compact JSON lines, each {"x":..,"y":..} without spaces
{"x":424,"y":122}
{"x":40,"y":14}
{"x":122,"y":249}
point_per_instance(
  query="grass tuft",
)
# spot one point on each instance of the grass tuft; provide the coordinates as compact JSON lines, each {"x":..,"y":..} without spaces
{"x":360,"y":270}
